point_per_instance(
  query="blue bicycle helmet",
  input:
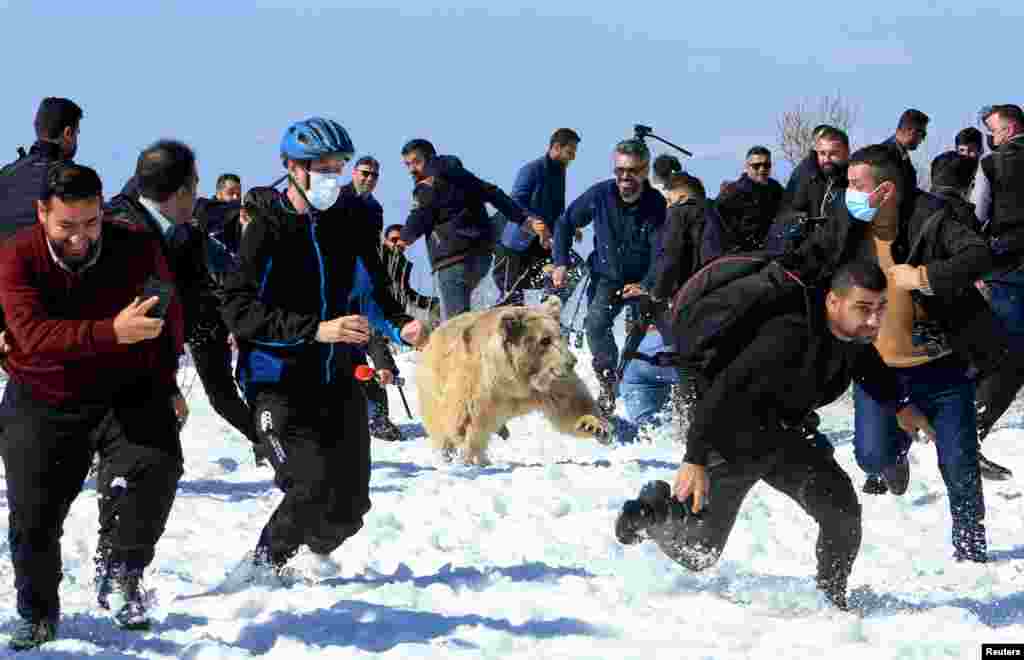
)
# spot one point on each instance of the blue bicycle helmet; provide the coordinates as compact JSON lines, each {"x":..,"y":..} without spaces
{"x":314,"y":138}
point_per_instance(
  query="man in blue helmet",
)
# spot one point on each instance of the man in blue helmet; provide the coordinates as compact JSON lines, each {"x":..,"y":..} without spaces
{"x":288,"y":306}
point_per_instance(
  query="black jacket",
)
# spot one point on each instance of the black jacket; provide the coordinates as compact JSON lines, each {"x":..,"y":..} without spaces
{"x":186,"y":254}
{"x":792,"y":365}
{"x":371,"y":209}
{"x":909,"y":171}
{"x":450,"y":212}
{"x":399,"y":270}
{"x":680,"y":251}
{"x":810,"y":189}
{"x":747,"y":210}
{"x":1004,"y":169}
{"x":296,"y":271}
{"x":22,"y":183}
{"x":954,"y":254}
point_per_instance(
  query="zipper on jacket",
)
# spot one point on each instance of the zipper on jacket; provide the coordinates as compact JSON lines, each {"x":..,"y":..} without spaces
{"x":323,"y":294}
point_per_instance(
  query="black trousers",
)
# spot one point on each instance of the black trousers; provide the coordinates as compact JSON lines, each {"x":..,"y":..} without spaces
{"x":997,"y":391}
{"x":319,"y":445}
{"x":809,"y":475}
{"x":47,"y":453}
{"x":213,"y":366}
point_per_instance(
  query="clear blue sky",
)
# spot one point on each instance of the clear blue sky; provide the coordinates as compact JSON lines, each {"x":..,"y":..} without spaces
{"x":490,"y":83}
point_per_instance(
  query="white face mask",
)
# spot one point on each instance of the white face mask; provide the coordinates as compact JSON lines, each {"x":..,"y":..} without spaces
{"x":324,"y":189}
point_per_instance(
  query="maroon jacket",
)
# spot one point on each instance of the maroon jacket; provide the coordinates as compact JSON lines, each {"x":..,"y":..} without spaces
{"x":60,"y":325}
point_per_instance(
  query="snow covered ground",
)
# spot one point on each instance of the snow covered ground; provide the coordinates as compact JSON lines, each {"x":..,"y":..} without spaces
{"x":518,"y":560}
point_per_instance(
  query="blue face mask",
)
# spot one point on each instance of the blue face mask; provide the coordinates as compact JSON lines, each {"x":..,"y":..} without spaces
{"x":858,"y":205}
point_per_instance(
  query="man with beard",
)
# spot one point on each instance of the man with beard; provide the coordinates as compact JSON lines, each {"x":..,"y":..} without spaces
{"x":750,"y":425}
{"x":810,"y":191}
{"x":748,"y":206}
{"x":910,"y":133}
{"x":539,"y":188}
{"x":628,"y":214}
{"x":83,"y":345}
{"x":22,"y":182}
{"x":448,"y":209}
{"x":937,"y":336}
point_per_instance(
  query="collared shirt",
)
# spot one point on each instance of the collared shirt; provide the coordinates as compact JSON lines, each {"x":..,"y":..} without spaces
{"x":166,"y":224}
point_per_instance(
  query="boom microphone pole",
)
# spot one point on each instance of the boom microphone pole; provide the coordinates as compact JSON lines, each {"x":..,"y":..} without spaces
{"x":642,"y":132}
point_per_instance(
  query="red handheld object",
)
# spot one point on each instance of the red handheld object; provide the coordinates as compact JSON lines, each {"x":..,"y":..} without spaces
{"x":365,"y":373}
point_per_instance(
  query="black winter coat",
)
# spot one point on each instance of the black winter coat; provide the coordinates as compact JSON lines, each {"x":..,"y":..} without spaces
{"x":681,"y":246}
{"x":932,"y":233}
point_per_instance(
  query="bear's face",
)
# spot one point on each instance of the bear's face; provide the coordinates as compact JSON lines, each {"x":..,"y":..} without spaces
{"x":535,"y":348}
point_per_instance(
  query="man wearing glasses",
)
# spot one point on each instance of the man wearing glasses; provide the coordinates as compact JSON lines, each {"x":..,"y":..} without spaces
{"x":627,"y":214}
{"x":365,"y":177}
{"x":747,"y":206}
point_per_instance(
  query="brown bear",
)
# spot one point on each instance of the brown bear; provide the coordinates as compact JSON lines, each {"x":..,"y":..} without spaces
{"x":481,"y":369}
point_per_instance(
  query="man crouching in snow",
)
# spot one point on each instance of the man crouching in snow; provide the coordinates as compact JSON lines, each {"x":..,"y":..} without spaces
{"x":753,"y":421}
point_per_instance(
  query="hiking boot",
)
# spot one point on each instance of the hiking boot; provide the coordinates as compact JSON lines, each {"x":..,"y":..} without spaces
{"x":125,"y":598}
{"x":875,"y":485}
{"x":606,"y":399}
{"x":31,"y":634}
{"x":383,"y":428}
{"x":992,"y":471}
{"x":649,"y":508}
{"x":260,"y":454}
{"x":897,"y":477}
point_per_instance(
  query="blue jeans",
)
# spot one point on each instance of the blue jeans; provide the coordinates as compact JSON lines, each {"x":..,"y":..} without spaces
{"x":457,"y":282}
{"x":945,"y":395}
{"x":604,"y":304}
{"x":1007,"y":301}
{"x":645,"y":388}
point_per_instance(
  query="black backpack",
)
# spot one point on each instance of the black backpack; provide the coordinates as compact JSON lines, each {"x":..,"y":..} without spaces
{"x":720,"y":308}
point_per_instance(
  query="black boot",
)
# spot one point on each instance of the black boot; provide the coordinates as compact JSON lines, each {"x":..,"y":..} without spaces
{"x":32,"y":634}
{"x":991,"y":470}
{"x":606,"y":399}
{"x":651,"y":507}
{"x":126,"y":599}
{"x":875,"y":485}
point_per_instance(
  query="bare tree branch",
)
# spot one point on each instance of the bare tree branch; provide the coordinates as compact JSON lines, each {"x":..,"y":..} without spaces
{"x":795,"y":126}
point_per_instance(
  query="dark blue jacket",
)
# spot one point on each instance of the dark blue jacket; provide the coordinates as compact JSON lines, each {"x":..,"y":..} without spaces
{"x":451,"y":213}
{"x":621,"y":253}
{"x":540,"y":189}
{"x":298,"y":270}
{"x":22,"y":183}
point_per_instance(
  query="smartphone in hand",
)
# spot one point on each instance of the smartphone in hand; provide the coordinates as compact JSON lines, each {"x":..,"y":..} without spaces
{"x":154,"y":286}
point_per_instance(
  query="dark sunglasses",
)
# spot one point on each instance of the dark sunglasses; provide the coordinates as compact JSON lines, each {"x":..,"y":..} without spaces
{"x":759,"y":166}
{"x":368,"y":173}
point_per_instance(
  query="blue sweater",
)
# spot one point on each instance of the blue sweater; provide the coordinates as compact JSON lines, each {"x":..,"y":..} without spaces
{"x":540,"y":189}
{"x":625,"y":244}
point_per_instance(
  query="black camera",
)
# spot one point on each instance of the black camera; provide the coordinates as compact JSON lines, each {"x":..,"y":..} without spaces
{"x":642,"y":131}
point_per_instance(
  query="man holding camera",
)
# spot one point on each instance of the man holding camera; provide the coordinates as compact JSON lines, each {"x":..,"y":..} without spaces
{"x":627,"y":214}
{"x":83,"y":342}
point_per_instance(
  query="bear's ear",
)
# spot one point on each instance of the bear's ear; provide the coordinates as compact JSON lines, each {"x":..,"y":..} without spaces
{"x":513,"y":328}
{"x":553,"y":307}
